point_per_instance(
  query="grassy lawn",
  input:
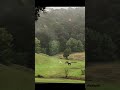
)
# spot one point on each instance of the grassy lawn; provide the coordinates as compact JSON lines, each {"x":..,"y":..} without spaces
{"x":16,"y":78}
{"x":74,"y":56}
{"x":57,"y":80}
{"x":50,"y":67}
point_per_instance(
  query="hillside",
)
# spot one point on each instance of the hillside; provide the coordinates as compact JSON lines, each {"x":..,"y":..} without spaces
{"x":53,"y":67}
{"x":73,"y":56}
{"x":66,"y":29}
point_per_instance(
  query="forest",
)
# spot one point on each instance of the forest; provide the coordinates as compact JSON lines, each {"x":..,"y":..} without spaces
{"x":59,"y":30}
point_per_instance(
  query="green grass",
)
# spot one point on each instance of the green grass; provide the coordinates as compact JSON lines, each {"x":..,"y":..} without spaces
{"x":57,"y":80}
{"x":16,"y":78}
{"x":49,"y":67}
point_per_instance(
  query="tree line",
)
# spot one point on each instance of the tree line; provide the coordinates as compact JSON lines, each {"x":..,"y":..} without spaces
{"x":54,"y":46}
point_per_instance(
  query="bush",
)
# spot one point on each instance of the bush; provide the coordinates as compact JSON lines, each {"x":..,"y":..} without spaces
{"x":37,"y":46}
{"x":67,"y":53}
{"x":40,"y":76}
{"x":66,"y":72}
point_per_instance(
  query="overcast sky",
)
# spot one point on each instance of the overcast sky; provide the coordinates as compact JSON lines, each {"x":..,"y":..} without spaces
{"x":61,"y":7}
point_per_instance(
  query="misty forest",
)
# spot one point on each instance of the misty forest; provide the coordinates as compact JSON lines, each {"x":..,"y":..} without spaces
{"x":60,"y":45}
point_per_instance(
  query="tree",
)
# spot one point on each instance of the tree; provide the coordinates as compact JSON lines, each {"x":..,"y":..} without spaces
{"x":43,"y":50}
{"x":44,"y":41}
{"x":67,"y":52}
{"x":6,"y":51}
{"x":80,"y":46}
{"x":72,"y":43}
{"x":37,"y":10}
{"x":54,"y":47}
{"x":62,"y":41}
{"x":37,"y":46}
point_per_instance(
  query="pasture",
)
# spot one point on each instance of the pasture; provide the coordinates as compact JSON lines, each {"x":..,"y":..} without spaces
{"x":54,"y":69}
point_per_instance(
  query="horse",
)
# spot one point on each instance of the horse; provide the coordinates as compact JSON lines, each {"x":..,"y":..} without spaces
{"x":67,"y":63}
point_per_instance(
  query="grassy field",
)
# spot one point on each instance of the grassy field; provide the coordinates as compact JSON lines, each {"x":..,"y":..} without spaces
{"x":73,"y":56}
{"x":54,"y":67}
{"x":107,"y":75}
{"x":16,"y":78}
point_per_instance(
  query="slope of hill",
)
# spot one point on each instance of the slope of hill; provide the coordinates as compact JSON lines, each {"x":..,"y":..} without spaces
{"x":74,"y":56}
{"x":53,"y":67}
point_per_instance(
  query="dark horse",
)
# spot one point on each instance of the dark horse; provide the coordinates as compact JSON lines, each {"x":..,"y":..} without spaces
{"x":68,"y":63}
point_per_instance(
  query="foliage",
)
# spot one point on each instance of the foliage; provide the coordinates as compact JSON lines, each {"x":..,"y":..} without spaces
{"x":43,"y":50}
{"x":67,"y":52}
{"x":61,"y":25}
{"x":72,"y":43}
{"x":6,"y":52}
{"x":75,"y":45}
{"x":83,"y":72}
{"x":80,"y":46}
{"x":66,"y":72}
{"x":53,"y":47}
{"x":37,"y":46}
{"x":37,"y":10}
